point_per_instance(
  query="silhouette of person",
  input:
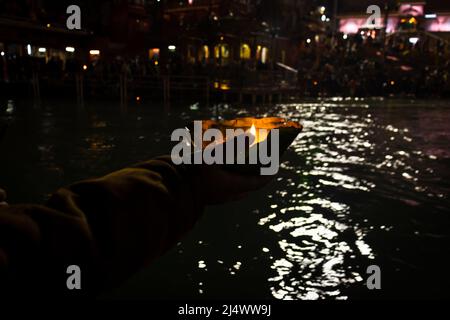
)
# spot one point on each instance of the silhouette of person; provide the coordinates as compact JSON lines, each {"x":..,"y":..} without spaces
{"x":111,"y":227}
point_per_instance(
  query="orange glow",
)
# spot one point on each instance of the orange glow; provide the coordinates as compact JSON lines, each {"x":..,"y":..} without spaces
{"x":258,"y":127}
{"x":259,"y":134}
{"x":253,"y":130}
{"x":224,"y":87}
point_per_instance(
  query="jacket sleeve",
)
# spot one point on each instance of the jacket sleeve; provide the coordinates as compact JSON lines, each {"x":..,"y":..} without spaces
{"x":110,"y":227}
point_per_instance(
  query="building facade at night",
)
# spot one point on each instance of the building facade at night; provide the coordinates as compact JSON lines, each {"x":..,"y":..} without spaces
{"x":217,"y":32}
{"x":247,"y":31}
{"x":38,"y":28}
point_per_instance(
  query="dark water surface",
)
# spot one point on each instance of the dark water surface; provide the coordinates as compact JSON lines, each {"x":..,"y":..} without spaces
{"x":366,"y":183}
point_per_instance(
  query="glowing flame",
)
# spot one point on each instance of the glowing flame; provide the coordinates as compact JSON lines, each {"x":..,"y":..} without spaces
{"x":254,"y":133}
{"x":253,"y":130}
{"x":259,"y":134}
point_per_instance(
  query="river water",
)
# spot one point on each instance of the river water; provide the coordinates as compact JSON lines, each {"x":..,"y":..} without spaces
{"x":366,"y":183}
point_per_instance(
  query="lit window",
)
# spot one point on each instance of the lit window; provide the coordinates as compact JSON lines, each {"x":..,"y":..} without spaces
{"x":203,"y":53}
{"x":221,"y":51}
{"x":225,"y":51}
{"x":153,"y":54}
{"x":264,"y":55}
{"x":246,"y":52}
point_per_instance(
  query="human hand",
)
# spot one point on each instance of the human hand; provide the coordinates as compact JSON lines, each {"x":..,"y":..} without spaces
{"x":214,"y":185}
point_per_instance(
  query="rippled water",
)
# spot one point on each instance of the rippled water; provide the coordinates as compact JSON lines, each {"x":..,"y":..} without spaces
{"x":366,"y":183}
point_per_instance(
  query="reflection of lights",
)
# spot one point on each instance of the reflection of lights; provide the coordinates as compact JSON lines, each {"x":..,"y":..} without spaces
{"x":94,"y":52}
{"x":350,"y":26}
{"x":224,"y":87}
{"x":10,"y":107}
{"x":70,"y":49}
{"x":411,"y":10}
{"x":440,"y":24}
{"x":98,"y":144}
{"x":413,"y":40}
{"x":42,"y":50}
{"x":392,"y":58}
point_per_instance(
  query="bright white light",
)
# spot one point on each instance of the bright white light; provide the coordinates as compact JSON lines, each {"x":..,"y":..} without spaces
{"x":42,"y":50}
{"x":70,"y":49}
{"x":94,"y":52}
{"x":29,"y":49}
{"x":172,"y":48}
{"x":431,"y":16}
{"x":345,"y":36}
{"x":308,"y":40}
{"x":413,"y":40}
{"x":2,"y":53}
{"x":323,"y":18}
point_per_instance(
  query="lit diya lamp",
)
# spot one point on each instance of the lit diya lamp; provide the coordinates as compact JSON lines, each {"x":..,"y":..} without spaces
{"x":251,"y":144}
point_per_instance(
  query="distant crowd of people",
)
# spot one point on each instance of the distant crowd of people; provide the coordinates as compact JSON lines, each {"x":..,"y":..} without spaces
{"x":354,"y":66}
{"x":358,"y":66}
